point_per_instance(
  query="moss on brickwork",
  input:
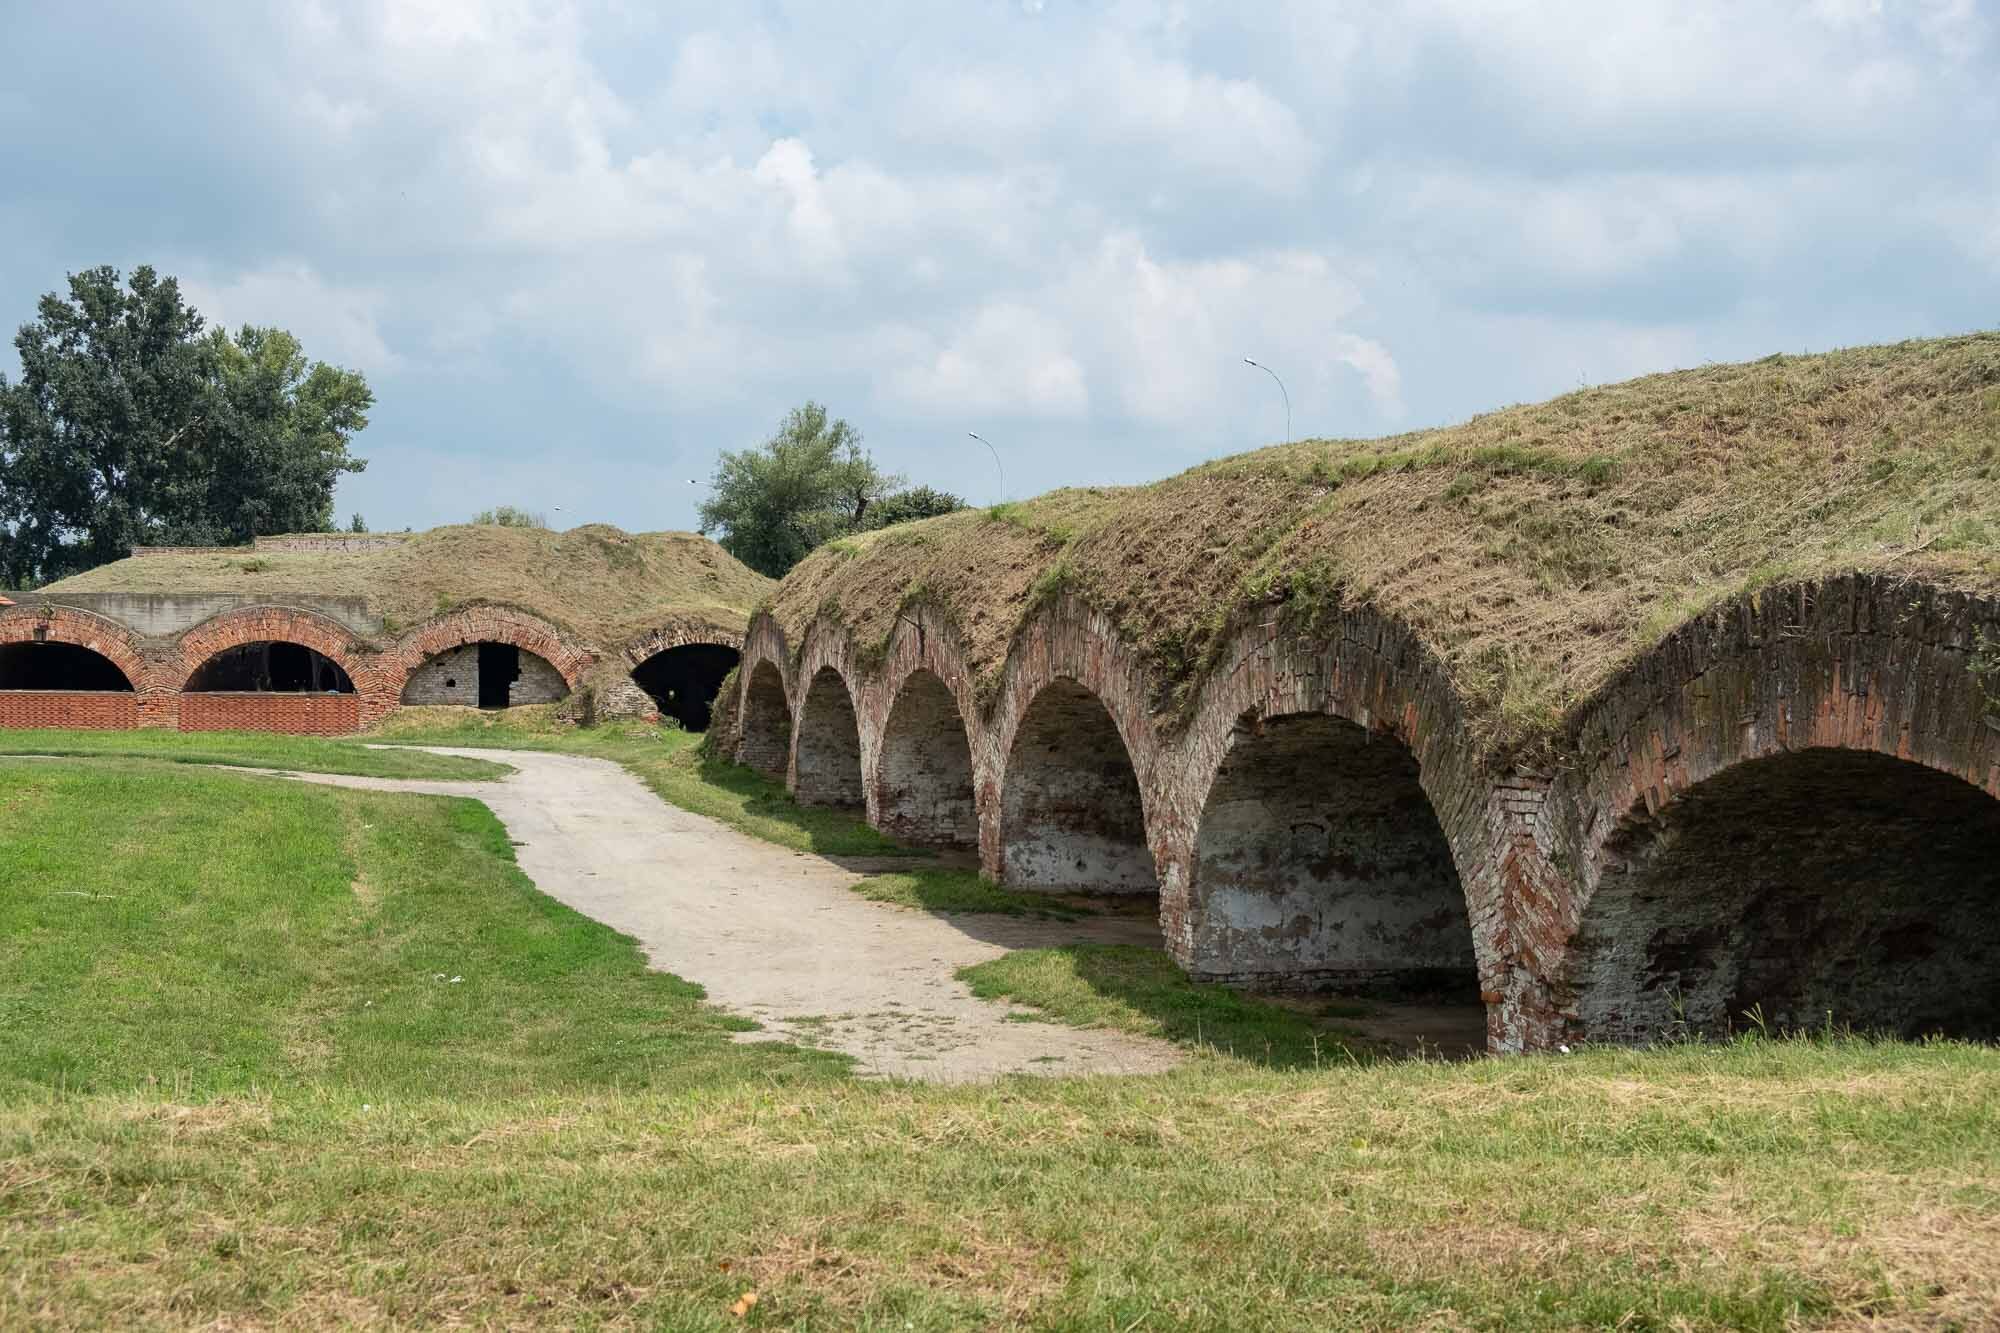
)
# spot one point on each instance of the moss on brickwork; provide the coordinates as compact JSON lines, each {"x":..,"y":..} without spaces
{"x":1535,"y":551}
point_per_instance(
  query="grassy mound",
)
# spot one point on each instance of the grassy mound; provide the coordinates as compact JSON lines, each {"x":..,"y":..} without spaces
{"x":1537,"y":550}
{"x":605,"y":584}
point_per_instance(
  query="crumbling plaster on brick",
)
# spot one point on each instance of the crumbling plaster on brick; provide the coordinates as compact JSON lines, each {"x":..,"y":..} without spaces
{"x":1369,"y":670}
{"x":1861,"y":663}
{"x":925,"y":643}
{"x":488,"y":622}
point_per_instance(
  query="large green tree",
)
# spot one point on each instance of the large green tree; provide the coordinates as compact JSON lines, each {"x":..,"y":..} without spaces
{"x":130,"y":426}
{"x":808,"y":483}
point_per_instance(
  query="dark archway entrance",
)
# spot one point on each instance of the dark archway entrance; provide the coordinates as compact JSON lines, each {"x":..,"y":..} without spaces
{"x":499,"y":668}
{"x":57,"y":666}
{"x":1320,"y":862}
{"x":1071,"y":816}
{"x":274,"y":667}
{"x":1822,"y":886}
{"x":683,"y":681}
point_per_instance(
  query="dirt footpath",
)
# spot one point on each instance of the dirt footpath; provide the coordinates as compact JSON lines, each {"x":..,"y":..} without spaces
{"x":778,"y":936}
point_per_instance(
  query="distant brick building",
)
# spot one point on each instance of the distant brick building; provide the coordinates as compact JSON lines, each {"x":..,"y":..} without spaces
{"x":312,"y":663}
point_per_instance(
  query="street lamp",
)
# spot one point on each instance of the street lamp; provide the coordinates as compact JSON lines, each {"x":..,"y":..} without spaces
{"x":996,"y":460}
{"x":1281,"y":389}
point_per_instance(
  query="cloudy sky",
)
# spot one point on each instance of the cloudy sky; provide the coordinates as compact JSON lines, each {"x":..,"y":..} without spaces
{"x":580,"y":247}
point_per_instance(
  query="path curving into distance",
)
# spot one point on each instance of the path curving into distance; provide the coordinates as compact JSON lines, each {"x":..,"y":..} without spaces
{"x":777,"y":935}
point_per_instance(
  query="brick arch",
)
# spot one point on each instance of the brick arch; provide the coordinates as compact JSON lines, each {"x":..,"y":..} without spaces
{"x":764,"y":726}
{"x":375,"y":690}
{"x":83,"y":629}
{"x":644,"y":646}
{"x":827,"y":646}
{"x":1368,"y":699}
{"x":924,"y":647}
{"x":488,"y":623}
{"x":678,"y":669}
{"x":149,"y":704}
{"x":1067,"y":641}
{"x":1860,"y":665}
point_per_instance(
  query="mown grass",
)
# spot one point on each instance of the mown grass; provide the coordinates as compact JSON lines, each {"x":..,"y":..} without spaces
{"x":666,"y":760}
{"x":218,"y":933}
{"x":1137,"y":990}
{"x":954,"y":891}
{"x":239,"y":1088}
{"x":247,"y":749}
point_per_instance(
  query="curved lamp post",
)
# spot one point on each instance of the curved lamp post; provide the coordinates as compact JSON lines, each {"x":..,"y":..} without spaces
{"x":996,"y":462}
{"x":1281,"y":389}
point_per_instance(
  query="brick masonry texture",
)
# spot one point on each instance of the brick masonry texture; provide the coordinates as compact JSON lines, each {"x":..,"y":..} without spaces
{"x":1572,"y":892}
{"x":295,"y":714}
{"x":70,"y":710}
{"x":159,"y":667}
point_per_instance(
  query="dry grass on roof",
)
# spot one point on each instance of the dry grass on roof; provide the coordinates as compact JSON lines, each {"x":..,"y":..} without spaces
{"x":1536,"y":550}
{"x":603,"y":583}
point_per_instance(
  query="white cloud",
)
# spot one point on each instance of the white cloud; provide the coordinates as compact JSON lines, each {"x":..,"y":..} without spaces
{"x":333,"y":323}
{"x":682,"y":222}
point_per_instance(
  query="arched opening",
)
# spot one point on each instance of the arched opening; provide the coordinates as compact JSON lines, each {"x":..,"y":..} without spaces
{"x":273,"y":667}
{"x":1320,"y":862}
{"x":682,"y":681}
{"x":40,"y":665}
{"x":1822,"y":885}
{"x":829,"y":745}
{"x":485,"y":675}
{"x":767,"y":723}
{"x":1071,"y":816}
{"x":923,"y":782}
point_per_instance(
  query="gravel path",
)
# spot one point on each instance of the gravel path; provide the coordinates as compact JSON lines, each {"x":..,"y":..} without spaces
{"x":777,"y":935}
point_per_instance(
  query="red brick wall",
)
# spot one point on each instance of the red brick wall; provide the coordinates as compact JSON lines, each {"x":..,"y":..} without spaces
{"x":295,"y":714}
{"x":70,"y":710}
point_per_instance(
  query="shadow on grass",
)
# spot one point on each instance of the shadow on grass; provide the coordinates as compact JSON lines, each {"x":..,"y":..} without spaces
{"x":828,"y":831}
{"x":1143,"y":991}
{"x":953,"y":892}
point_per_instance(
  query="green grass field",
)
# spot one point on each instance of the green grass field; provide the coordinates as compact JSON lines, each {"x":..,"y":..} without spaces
{"x":239,"y":1086}
{"x":246,"y":749}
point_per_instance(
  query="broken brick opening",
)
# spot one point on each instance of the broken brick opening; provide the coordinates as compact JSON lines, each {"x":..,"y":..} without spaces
{"x":1319,"y":862}
{"x":829,"y":749}
{"x":1071,"y":816}
{"x":766,"y":743}
{"x":40,"y":665}
{"x":273,"y":667}
{"x":1820,"y":886}
{"x":923,"y":782}
{"x":683,"y":681}
{"x":485,"y":674}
